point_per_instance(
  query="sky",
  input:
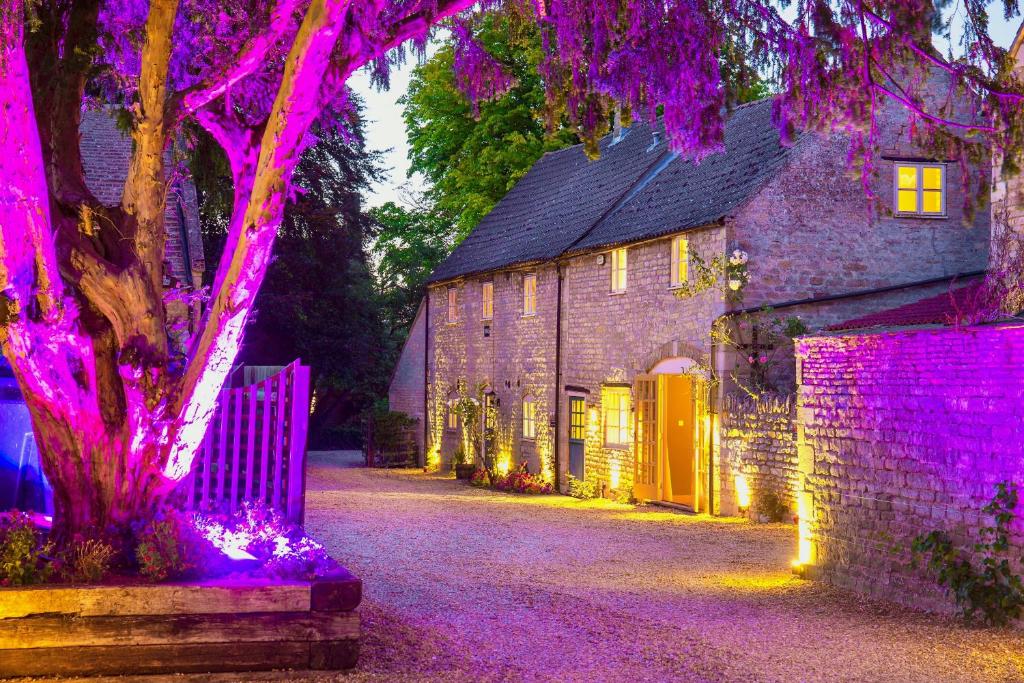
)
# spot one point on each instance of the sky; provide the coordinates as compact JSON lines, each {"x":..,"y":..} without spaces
{"x":385,"y":129}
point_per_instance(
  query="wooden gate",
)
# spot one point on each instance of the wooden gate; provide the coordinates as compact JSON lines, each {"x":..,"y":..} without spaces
{"x":255,"y":448}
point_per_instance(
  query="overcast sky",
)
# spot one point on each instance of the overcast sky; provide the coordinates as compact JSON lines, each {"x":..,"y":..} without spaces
{"x":386,"y":131}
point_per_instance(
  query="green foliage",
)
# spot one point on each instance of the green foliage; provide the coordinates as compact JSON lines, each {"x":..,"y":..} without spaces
{"x":624,"y":496}
{"x":168,"y":548}
{"x":473,"y":160}
{"x":987,"y":589}
{"x":390,"y":428}
{"x":770,"y":505}
{"x":410,"y":243}
{"x":22,"y":552}
{"x":582,"y":489}
{"x":87,"y":560}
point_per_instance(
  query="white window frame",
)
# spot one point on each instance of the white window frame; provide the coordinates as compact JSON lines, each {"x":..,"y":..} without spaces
{"x":453,"y":305}
{"x":487,"y":300}
{"x":619,"y":260}
{"x":529,"y":418}
{"x":677,"y":278}
{"x":529,"y":294}
{"x":616,"y":400}
{"x":920,"y":166}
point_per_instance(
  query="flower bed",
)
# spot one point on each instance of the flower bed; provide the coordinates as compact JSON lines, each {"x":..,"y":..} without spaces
{"x":199,"y":593}
{"x":518,"y":480}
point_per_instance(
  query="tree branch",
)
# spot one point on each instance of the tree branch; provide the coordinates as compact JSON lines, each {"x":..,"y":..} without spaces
{"x":248,"y":60}
{"x":241,"y":272}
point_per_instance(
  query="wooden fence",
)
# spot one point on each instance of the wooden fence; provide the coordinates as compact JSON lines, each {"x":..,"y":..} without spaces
{"x":255,"y":449}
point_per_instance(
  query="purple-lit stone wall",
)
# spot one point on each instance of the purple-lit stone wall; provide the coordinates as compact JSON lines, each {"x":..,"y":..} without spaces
{"x":906,"y":432}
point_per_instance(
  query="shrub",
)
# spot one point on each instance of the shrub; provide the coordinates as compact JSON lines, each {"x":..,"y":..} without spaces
{"x":168,"y":548}
{"x":993,"y":593}
{"x":770,"y":505}
{"x":624,"y":496}
{"x":518,"y":480}
{"x":582,"y":489}
{"x":22,"y":551}
{"x":86,"y":560}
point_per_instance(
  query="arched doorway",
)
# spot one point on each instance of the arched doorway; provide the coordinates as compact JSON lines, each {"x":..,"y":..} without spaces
{"x":669,"y":434}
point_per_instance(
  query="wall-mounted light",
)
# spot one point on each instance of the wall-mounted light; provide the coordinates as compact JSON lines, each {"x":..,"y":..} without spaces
{"x":600,"y":259}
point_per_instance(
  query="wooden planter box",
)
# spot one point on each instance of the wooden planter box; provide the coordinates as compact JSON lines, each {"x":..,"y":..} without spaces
{"x":225,"y":625}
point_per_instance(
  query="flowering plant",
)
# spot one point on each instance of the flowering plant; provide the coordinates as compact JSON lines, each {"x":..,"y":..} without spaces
{"x":22,"y":551}
{"x":518,"y":480}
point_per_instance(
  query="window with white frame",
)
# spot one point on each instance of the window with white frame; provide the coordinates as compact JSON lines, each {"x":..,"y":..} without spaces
{"x":920,"y":189}
{"x":680,"y":261}
{"x":619,"y":270}
{"x":530,"y":294}
{"x":453,"y":305}
{"x":529,"y":418}
{"x":487,"y":301}
{"x":615,"y":404}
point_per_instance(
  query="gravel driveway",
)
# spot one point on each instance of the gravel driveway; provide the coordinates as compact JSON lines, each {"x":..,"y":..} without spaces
{"x":465,"y":584}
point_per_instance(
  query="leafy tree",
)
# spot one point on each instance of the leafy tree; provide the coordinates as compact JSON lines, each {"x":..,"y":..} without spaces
{"x":474,"y":152}
{"x":119,"y":406}
{"x":410,"y":243}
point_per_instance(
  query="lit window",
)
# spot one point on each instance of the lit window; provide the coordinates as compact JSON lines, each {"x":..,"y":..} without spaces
{"x":619,"y":270}
{"x":453,"y":417}
{"x":920,"y":189}
{"x":615,"y":401}
{"x":487,"y":300}
{"x":529,"y":294}
{"x":453,"y":305}
{"x":529,"y":419}
{"x":680,"y":260}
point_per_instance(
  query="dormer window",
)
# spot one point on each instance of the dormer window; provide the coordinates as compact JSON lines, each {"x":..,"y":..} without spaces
{"x":920,"y":189}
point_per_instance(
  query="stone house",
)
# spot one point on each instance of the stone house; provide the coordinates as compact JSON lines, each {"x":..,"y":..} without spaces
{"x":575,"y":308}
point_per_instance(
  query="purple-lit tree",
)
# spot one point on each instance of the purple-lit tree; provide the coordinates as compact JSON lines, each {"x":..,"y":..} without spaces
{"x":117,"y":412}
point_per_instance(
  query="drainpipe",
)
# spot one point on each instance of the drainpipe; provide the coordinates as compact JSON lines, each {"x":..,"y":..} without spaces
{"x":426,"y":371}
{"x":558,"y":376}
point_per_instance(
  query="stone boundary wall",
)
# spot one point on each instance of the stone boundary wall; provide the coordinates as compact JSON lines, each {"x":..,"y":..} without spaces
{"x":758,"y":443}
{"x":905,"y":432}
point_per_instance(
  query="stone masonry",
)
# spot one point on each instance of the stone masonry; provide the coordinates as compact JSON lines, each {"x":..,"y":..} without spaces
{"x":905,"y":432}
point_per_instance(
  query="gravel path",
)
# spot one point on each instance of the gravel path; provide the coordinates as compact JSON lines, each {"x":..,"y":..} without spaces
{"x":465,"y":584}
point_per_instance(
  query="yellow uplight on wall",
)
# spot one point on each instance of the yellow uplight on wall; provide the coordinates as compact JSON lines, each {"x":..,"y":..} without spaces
{"x":805,"y":544}
{"x":615,"y":474}
{"x":742,"y":491}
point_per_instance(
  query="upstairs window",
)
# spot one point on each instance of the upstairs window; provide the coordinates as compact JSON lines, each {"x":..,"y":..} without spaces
{"x":619,"y":270}
{"x":680,"y":261}
{"x":615,"y":401}
{"x":530,"y":294}
{"x":453,"y":305}
{"x":529,"y":418}
{"x":487,"y":301}
{"x":920,"y":189}
{"x":452,"y":418}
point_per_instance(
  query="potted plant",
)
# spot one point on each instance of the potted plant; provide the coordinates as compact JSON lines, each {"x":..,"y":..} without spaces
{"x":463,"y":469}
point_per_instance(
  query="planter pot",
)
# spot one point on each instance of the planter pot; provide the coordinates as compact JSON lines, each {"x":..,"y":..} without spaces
{"x":464,"y":471}
{"x":224,"y":625}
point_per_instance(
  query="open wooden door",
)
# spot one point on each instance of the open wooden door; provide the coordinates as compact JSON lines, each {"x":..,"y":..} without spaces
{"x":645,"y":472}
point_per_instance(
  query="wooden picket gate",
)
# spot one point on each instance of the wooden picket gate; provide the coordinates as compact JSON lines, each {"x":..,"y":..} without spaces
{"x":255,"y":448}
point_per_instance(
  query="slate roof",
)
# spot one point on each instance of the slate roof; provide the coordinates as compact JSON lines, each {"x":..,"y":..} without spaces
{"x":635,"y":191}
{"x":942,"y":309}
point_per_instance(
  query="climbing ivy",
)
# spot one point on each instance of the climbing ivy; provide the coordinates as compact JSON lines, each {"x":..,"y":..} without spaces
{"x":990,"y":590}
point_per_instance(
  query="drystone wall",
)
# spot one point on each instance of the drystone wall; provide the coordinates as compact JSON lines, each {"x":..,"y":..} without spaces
{"x":758,"y":457}
{"x":905,"y":432}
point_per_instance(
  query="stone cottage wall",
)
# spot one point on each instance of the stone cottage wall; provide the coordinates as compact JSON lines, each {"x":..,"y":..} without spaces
{"x":758,"y":442}
{"x":405,"y":393}
{"x":609,"y":339}
{"x":906,"y":432}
